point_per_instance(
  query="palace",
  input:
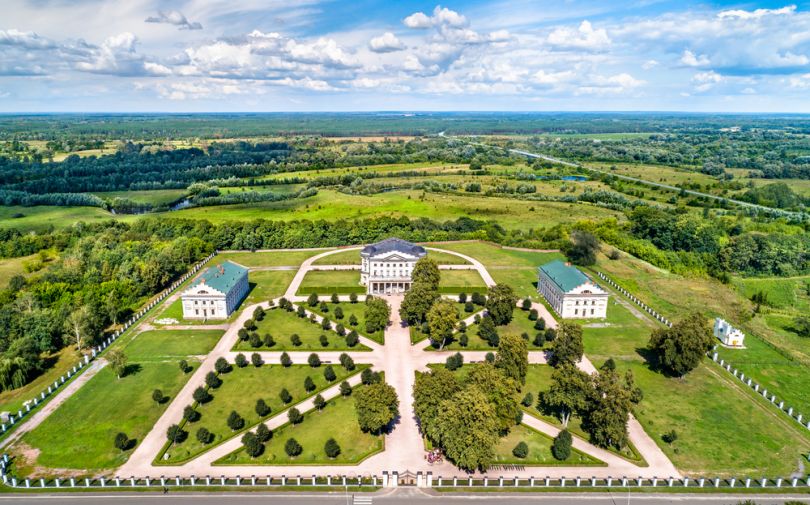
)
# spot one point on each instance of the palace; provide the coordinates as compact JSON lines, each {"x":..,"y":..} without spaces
{"x":570,"y":292}
{"x":216,"y":293}
{"x":386,"y":266}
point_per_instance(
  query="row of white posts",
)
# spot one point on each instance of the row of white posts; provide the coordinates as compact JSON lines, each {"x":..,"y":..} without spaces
{"x":38,"y":400}
{"x":790,"y":411}
{"x":394,"y":479}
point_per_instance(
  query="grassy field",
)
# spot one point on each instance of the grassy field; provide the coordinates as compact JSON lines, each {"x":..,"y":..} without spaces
{"x":56,"y":364}
{"x":657,"y":173}
{"x":326,"y":282}
{"x":154,"y":197}
{"x":357,"y":310}
{"x":539,"y":450}
{"x":171,"y":344}
{"x":621,"y":334}
{"x":782,"y":292}
{"x":10,"y":267}
{"x":520,"y":324}
{"x":43,"y":217}
{"x":268,"y":258}
{"x":337,"y":420}
{"x":461,"y":281}
{"x":722,"y":429}
{"x":267,"y":285}
{"x":80,"y":433}
{"x":516,"y":268}
{"x":240,"y":390}
{"x":282,"y":325}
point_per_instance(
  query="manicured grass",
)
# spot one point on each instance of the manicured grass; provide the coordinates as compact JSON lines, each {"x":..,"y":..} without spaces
{"x":331,"y":281}
{"x":722,"y":429}
{"x":520,"y":324}
{"x":282,"y":325}
{"x":539,"y":450}
{"x":620,"y":334}
{"x":240,"y":390}
{"x":461,"y":281}
{"x":267,"y":285}
{"x":357,"y":309}
{"x":337,"y":420}
{"x":80,"y":433}
{"x":269,"y":258}
{"x":164,"y":344}
{"x":57,"y":364}
{"x":352,"y":257}
{"x":517,"y":269}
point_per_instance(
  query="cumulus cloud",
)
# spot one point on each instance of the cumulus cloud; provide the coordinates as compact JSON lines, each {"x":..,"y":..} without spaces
{"x":583,"y":37}
{"x":386,"y":43}
{"x":117,"y":56}
{"x":442,"y":16}
{"x":706,"y":80}
{"x":690,"y":59}
{"x":175,"y":18}
{"x":610,"y":85}
{"x":27,"y":40}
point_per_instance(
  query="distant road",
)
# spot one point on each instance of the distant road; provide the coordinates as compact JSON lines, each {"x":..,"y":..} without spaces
{"x":635,"y":179}
{"x":399,"y":497}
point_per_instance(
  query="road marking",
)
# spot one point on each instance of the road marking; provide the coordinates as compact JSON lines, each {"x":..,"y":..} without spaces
{"x":362,"y":500}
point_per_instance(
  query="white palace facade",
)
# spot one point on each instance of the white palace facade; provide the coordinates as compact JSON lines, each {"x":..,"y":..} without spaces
{"x":216,"y":293}
{"x":571,"y":293}
{"x":386,"y":267}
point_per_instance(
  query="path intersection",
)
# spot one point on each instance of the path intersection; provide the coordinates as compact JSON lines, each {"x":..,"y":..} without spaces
{"x":404,"y":446}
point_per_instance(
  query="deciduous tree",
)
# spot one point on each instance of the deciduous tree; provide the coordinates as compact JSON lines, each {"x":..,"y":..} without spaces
{"x":681,"y":348}
{"x":500,"y":304}
{"x":513,"y":357}
{"x":376,"y":406}
{"x":567,"y":347}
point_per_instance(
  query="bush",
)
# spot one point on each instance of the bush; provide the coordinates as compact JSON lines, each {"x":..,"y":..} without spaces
{"x":345,"y":389}
{"x":240,"y":360}
{"x":263,"y":433}
{"x":175,"y":434}
{"x":212,"y":381}
{"x":353,"y":320}
{"x":295,"y":416}
{"x":200,"y":395}
{"x":250,"y":325}
{"x":301,"y":312}
{"x":325,"y":324}
{"x":312,"y":300}
{"x":222,"y":366}
{"x":454,"y":362}
{"x":463,"y":340}
{"x":323,"y":307}
{"x":295,"y":340}
{"x":309,"y":385}
{"x":292,"y":448}
{"x":561,"y":448}
{"x":157,"y":396}
{"x":551,"y":334}
{"x":121,"y":442}
{"x":319,"y":402}
{"x":462,"y":298}
{"x":235,"y":421}
{"x":539,"y":339}
{"x":521,"y":450}
{"x":243,"y":334}
{"x":189,"y":414}
{"x":469,"y":307}
{"x":533,"y":316}
{"x":526,"y":304}
{"x":329,"y":373}
{"x":670,"y":437}
{"x":614,"y":254}
{"x":286,"y":361}
{"x":540,"y":324}
{"x":204,"y":436}
{"x":269,"y":341}
{"x":285,"y":395}
{"x":184,"y":366}
{"x":255,"y":340}
{"x":334,"y":298}
{"x":258,"y":314}
{"x":324,"y":341}
{"x":528,"y":400}
{"x":462,"y":327}
{"x":352,"y":339}
{"x":262,"y":409}
{"x":331,"y":449}
{"x":367,"y":376}
{"x":338,"y":313}
{"x":340,"y":330}
{"x":256,"y":359}
{"x":253,"y":447}
{"x":353,"y":298}
{"x":347,"y":362}
{"x":479,"y":299}
{"x":490,"y":357}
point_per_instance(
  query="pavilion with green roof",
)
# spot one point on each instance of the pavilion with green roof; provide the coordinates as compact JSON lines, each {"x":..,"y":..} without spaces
{"x":570,"y":292}
{"x":216,"y":293}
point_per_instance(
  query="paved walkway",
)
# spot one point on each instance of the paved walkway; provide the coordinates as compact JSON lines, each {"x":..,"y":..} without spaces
{"x":404,"y":445}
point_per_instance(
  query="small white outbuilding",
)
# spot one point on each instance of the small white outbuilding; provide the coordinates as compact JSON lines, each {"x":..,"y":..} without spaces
{"x":728,"y":335}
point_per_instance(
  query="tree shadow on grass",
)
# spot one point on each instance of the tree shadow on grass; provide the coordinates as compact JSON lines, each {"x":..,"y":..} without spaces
{"x":131,"y":369}
{"x":653,"y":363}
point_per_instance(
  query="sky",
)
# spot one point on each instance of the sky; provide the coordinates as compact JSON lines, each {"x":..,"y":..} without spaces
{"x":368,"y":55}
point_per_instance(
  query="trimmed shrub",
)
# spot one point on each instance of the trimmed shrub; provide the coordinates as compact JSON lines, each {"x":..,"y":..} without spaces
{"x":262,"y":409}
{"x":521,"y":450}
{"x":331,"y":449}
{"x":561,"y":448}
{"x":240,"y":360}
{"x":235,"y":421}
{"x":329,"y":373}
{"x":292,"y":448}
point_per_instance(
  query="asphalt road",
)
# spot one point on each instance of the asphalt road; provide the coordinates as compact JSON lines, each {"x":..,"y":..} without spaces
{"x":398,"y":497}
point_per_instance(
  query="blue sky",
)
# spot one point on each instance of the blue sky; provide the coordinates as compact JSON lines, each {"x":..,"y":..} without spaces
{"x":312,"y":55}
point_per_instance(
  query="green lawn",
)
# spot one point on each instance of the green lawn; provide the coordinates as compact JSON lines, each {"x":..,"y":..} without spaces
{"x":169,"y":344}
{"x":57,"y":364}
{"x":461,"y":281}
{"x":357,"y":309}
{"x":42,"y":217}
{"x":539,"y":450}
{"x":782,"y":292}
{"x":326,"y":282}
{"x":267,"y":285}
{"x":80,"y":433}
{"x":269,"y":258}
{"x":520,"y":324}
{"x":722,"y":429}
{"x":619,"y":335}
{"x":239,"y":391}
{"x":282,"y":325}
{"x":337,"y":420}
{"x":154,"y":196}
